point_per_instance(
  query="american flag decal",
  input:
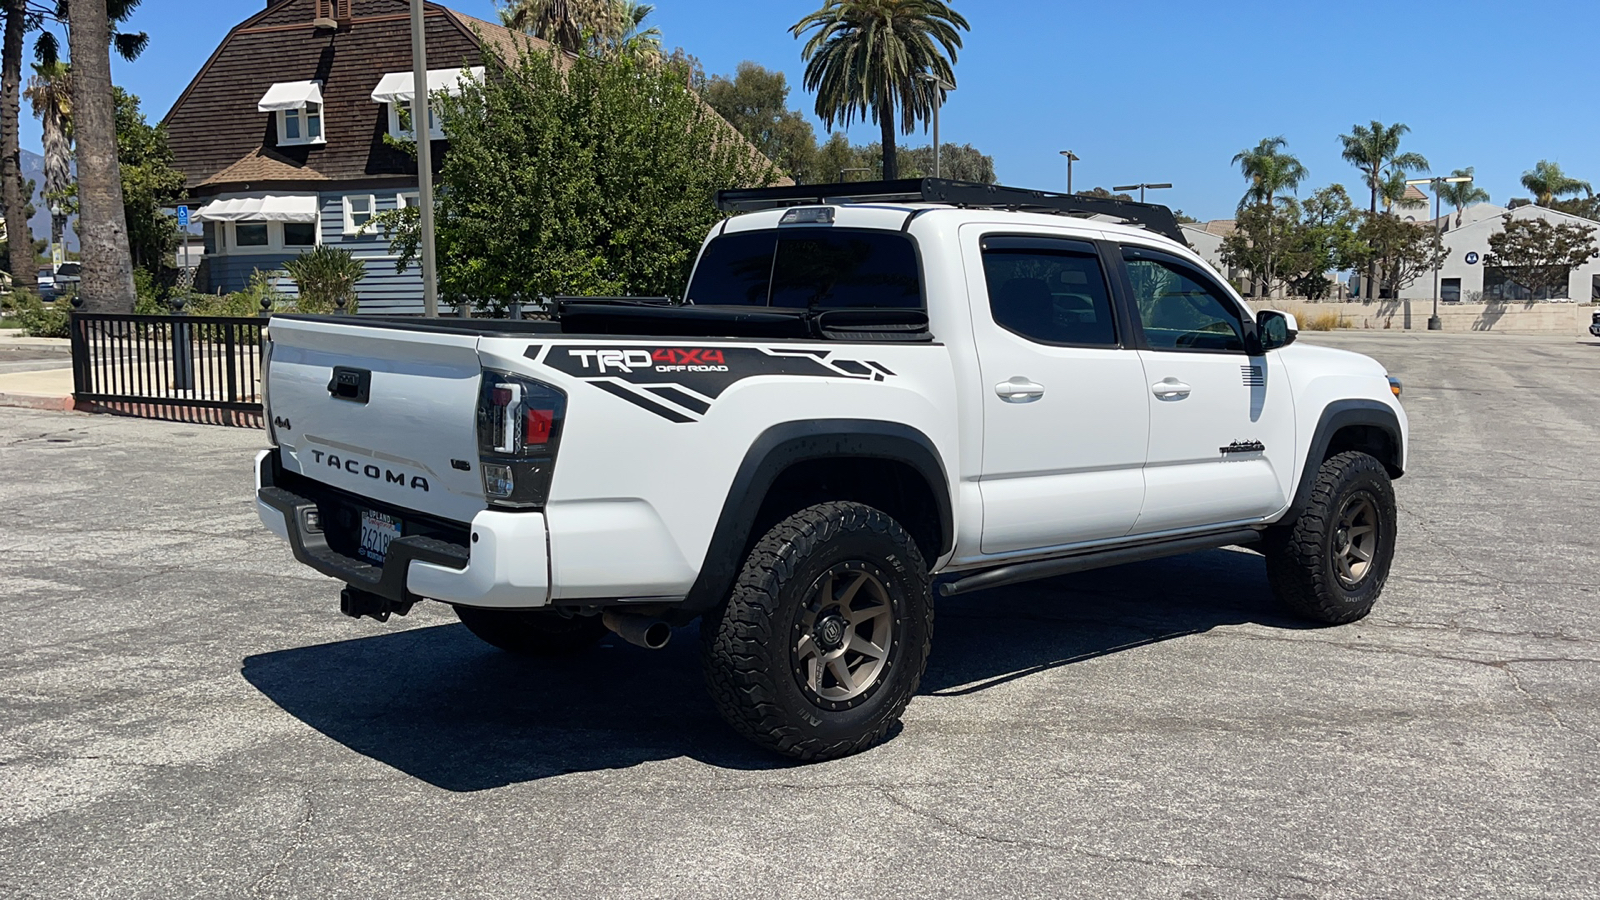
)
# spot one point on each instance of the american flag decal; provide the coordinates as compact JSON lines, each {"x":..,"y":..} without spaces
{"x":1254,"y":376}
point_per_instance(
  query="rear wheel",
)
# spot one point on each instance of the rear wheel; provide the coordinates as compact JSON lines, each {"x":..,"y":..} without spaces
{"x":825,"y":636}
{"x":532,"y":633}
{"x":1330,"y":563}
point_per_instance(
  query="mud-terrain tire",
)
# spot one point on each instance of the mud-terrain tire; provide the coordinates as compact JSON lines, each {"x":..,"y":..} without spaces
{"x":530,"y":633}
{"x":1330,"y":563}
{"x":789,"y":659}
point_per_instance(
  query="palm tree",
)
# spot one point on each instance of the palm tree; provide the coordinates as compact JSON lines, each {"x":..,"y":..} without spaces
{"x":569,"y":24}
{"x":107,"y":284}
{"x":1269,"y":171}
{"x":12,"y":194}
{"x":645,"y":42}
{"x":50,"y":92}
{"x":1461,"y":194}
{"x":1546,"y":181}
{"x":1375,"y":151}
{"x":866,"y":56}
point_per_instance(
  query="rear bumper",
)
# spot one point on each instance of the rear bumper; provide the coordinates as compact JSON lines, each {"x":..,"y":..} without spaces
{"x":505,"y":565}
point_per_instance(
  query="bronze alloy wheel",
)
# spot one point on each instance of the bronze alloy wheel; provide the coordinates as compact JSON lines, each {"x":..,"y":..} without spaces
{"x":843,"y":638}
{"x":1355,"y":539}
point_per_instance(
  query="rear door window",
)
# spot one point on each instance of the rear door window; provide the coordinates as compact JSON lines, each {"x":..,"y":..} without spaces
{"x":1049,"y":290}
{"x":809,"y":268}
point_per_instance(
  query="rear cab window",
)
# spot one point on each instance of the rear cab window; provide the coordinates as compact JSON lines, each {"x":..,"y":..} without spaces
{"x":809,"y":268}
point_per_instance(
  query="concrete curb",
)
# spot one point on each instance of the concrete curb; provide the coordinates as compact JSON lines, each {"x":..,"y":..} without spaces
{"x":51,"y":402}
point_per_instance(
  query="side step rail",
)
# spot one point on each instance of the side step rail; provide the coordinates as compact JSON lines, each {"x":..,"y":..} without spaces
{"x":1096,"y":559}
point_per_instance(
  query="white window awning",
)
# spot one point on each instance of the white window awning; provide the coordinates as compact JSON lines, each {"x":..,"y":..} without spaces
{"x":290,"y":95}
{"x":401,"y":86}
{"x":260,"y":209}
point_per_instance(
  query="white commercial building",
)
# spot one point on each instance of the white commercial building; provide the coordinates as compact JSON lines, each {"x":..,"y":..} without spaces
{"x":1464,"y":278}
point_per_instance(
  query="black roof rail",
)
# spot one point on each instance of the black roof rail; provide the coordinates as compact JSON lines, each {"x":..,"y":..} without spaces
{"x":966,"y":194}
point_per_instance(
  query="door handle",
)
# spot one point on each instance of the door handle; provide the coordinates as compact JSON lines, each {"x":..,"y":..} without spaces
{"x":1170,"y":389}
{"x":1019,"y":390}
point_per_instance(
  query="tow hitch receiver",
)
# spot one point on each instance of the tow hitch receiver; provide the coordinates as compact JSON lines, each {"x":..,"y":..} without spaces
{"x":356,"y":603}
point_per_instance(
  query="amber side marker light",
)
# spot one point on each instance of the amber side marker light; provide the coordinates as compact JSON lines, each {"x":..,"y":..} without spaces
{"x":1394,"y":385}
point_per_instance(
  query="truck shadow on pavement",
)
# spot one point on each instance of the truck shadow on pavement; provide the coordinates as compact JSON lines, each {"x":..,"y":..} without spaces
{"x":441,"y":706}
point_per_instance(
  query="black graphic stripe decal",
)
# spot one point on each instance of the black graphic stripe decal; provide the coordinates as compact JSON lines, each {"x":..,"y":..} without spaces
{"x":665,"y":412}
{"x":682,"y":398}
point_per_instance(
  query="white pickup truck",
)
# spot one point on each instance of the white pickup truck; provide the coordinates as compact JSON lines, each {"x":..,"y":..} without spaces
{"x":860,"y":398}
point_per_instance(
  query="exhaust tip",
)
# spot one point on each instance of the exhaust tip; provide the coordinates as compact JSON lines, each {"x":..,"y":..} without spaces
{"x":651,"y":634}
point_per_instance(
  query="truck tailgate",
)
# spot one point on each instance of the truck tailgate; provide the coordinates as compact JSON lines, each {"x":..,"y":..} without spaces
{"x":397,"y":422}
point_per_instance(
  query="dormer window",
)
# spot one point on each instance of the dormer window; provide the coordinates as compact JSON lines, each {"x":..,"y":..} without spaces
{"x":397,"y":90}
{"x":297,"y":105}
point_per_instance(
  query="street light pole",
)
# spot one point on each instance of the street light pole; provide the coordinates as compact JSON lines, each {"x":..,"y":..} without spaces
{"x":941,"y":85}
{"x":1141,"y":188}
{"x":424,"y":138}
{"x":1434,"y":322}
{"x":1071,"y":158}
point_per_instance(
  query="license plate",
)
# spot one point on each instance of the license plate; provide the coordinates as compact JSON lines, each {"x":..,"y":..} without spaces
{"x":377,"y":530}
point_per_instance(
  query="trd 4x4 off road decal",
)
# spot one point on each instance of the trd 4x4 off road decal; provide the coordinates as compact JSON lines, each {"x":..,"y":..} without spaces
{"x":679,"y":383}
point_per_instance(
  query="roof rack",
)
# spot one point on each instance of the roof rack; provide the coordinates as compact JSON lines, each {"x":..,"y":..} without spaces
{"x":966,"y":194}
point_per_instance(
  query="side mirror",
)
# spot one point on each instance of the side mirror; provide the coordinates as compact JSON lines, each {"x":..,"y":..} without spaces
{"x":1276,"y":329}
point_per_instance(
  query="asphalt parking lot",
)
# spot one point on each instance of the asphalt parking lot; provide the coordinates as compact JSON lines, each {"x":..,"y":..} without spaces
{"x":184,"y":713}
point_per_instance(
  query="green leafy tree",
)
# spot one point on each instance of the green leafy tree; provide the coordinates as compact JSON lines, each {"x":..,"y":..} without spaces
{"x":1104,"y":194}
{"x":1587,"y":207}
{"x":1399,"y":252}
{"x":1375,"y":151}
{"x":1540,"y":255}
{"x":1322,"y":240}
{"x":1546,"y":182}
{"x":326,"y":277}
{"x":576,"y":176}
{"x":1461,"y":194}
{"x":1269,"y":172}
{"x":755,"y":101}
{"x":838,"y":160}
{"x":864,"y":57}
{"x":151,"y":183}
{"x":1262,"y":234}
{"x":962,"y":162}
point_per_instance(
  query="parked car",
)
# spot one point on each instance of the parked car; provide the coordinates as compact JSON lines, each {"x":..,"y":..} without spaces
{"x":67,"y":277}
{"x":860,"y":397}
{"x":1594,"y":327}
{"x":47,"y":284}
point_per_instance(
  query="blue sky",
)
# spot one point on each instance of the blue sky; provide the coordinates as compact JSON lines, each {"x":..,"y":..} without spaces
{"x":1153,"y":91}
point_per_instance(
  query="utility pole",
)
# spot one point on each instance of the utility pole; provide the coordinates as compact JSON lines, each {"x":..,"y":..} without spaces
{"x":420,"y":130}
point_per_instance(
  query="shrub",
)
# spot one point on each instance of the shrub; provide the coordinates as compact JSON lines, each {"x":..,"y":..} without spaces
{"x":38,"y":318}
{"x":326,"y":275}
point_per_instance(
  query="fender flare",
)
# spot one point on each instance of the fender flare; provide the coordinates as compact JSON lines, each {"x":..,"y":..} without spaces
{"x":785,"y":444}
{"x":1335,"y":416}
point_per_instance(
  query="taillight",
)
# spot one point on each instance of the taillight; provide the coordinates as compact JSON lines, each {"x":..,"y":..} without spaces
{"x":519,"y":428}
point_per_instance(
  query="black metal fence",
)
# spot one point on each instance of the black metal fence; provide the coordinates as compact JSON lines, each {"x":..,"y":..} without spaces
{"x":189,"y":368}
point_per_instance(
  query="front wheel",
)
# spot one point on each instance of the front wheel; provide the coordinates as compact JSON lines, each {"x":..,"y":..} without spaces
{"x":825,"y":637}
{"x":1330,"y":563}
